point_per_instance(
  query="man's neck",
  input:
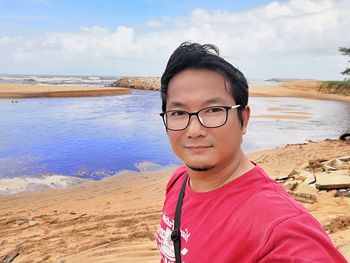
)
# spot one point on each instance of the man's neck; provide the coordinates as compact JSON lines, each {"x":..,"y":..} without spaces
{"x":205,"y":181}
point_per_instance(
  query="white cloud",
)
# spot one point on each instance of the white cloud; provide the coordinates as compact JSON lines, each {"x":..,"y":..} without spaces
{"x":154,"y":23}
{"x":299,"y":38}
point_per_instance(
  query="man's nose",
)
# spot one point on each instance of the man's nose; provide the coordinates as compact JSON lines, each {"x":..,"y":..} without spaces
{"x":195,"y":128}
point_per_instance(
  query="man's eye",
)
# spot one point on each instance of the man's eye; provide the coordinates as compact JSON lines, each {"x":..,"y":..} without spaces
{"x":214,"y":109}
{"x":177,"y":113}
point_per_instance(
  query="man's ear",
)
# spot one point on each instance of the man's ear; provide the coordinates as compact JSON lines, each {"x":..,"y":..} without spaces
{"x":245,"y":117}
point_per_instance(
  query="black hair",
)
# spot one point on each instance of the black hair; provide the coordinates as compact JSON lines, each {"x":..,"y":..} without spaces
{"x":196,"y":56}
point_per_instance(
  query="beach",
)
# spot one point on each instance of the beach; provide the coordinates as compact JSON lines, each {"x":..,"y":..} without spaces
{"x":115,"y":219}
{"x":20,"y":91}
{"x":297,"y":89}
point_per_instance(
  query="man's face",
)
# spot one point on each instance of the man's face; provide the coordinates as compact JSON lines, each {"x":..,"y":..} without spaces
{"x":203,"y":148}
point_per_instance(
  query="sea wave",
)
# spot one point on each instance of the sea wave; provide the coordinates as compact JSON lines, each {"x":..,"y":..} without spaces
{"x":16,"y":185}
{"x":21,"y":184}
{"x":58,"y":79}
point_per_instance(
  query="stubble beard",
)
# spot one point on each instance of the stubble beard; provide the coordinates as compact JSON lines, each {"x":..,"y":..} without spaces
{"x":201,"y":169}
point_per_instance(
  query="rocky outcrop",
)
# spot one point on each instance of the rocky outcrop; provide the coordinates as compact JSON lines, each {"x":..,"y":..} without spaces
{"x":144,"y":83}
{"x":305,"y":183}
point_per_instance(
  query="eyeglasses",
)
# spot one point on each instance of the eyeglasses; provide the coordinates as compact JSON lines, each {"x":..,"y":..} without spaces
{"x":209,"y":117}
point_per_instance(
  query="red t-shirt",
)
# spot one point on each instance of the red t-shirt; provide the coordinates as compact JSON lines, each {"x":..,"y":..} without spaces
{"x":251,"y":219}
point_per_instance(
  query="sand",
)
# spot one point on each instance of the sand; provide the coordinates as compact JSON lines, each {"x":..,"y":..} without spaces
{"x":115,"y":220}
{"x":297,"y":89}
{"x":18,"y":91}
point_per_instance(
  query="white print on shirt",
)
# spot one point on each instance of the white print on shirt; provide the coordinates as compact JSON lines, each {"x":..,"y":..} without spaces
{"x":165,"y":244}
{"x":168,"y":222}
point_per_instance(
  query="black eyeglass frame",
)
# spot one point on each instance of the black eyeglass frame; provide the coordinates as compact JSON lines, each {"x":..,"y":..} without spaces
{"x":227,"y":108}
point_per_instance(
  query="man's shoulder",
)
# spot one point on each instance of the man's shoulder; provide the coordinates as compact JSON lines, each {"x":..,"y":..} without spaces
{"x":266,"y":197}
{"x":177,"y":174}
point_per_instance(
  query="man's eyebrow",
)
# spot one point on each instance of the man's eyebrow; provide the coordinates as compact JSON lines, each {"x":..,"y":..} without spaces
{"x":212,"y":101}
{"x":176,"y":104}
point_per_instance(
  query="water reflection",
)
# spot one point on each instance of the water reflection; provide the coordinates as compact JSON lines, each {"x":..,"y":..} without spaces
{"x":327,"y":119}
{"x":95,"y":137}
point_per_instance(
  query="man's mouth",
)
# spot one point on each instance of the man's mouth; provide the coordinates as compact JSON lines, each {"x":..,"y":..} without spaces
{"x":197,"y":147}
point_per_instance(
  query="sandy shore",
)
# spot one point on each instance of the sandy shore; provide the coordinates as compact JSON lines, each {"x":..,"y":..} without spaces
{"x":17,"y":91}
{"x":308,"y":89}
{"x":298,"y":89}
{"x":115,"y":220}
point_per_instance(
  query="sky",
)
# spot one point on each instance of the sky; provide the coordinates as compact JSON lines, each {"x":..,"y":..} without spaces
{"x":264,"y":39}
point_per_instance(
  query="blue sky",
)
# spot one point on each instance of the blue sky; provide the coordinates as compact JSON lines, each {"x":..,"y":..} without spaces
{"x":28,"y":17}
{"x":296,"y":38}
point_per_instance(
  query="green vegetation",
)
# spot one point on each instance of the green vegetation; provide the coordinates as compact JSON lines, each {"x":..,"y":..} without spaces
{"x":346,"y":52}
{"x":336,"y":87}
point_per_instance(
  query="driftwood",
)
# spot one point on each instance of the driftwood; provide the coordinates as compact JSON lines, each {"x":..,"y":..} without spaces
{"x":10,"y":257}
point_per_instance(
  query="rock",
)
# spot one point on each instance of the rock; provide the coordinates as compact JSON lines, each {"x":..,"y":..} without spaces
{"x":309,"y":177}
{"x":329,"y":168}
{"x":304,"y":197}
{"x":282,"y":179}
{"x":342,"y":192}
{"x":304,"y":166}
{"x":305,"y":188}
{"x":345,"y":136}
{"x":144,"y":83}
{"x":291,"y":185}
{"x":340,"y":172}
{"x":292,"y":173}
{"x":297,"y":170}
{"x":334,"y":180}
{"x":300,"y":187}
{"x":32,"y":223}
{"x":344,"y":158}
{"x":333,"y":164}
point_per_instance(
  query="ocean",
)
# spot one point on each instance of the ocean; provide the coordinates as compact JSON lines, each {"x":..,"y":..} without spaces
{"x":73,"y":80}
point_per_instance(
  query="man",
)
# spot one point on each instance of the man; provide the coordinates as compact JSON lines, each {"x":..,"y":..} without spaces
{"x":231,"y":211}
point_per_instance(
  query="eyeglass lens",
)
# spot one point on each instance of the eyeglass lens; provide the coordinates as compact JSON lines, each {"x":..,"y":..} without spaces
{"x":210,"y":117}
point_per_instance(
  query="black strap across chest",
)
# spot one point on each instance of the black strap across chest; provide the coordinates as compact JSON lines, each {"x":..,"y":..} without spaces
{"x":176,"y":234}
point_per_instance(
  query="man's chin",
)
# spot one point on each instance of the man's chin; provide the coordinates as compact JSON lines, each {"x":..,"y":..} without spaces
{"x":200,"y":168}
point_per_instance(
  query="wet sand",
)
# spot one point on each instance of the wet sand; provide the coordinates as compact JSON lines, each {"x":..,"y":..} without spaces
{"x":114,"y":220}
{"x":282,"y":116}
{"x":18,"y":91}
